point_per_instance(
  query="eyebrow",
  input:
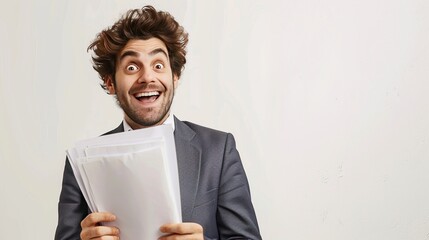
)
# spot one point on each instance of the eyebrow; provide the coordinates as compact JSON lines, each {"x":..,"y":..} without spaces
{"x":136,"y":54}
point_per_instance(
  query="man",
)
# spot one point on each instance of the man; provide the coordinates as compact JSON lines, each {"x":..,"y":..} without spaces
{"x":140,"y":59}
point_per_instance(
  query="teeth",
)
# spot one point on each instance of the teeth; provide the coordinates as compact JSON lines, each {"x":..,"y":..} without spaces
{"x":147,"y":94}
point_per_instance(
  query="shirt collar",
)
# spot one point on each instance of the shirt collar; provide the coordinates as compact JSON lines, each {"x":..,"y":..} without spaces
{"x":168,"y":121}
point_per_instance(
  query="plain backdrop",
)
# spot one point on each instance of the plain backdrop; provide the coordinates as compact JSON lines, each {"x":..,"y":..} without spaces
{"x":328,"y":101}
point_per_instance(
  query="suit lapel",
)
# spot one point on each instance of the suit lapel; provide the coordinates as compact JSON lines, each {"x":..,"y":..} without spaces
{"x":119,"y":129}
{"x":188,"y":162}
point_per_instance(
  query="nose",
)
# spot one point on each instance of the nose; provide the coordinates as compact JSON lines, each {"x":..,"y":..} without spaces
{"x":147,"y":76}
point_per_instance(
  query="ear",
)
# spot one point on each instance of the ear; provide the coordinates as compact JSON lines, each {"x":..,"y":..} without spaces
{"x":110,"y":85}
{"x":175,"y":81}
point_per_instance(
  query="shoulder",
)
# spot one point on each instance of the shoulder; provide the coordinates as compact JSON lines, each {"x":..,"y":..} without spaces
{"x":206,"y":136}
{"x":204,"y":130}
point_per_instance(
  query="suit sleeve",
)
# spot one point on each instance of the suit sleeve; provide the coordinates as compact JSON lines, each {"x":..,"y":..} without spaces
{"x":235,"y":215}
{"x":72,"y":207}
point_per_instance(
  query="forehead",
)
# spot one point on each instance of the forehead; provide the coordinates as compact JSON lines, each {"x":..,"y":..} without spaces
{"x":143,"y":47}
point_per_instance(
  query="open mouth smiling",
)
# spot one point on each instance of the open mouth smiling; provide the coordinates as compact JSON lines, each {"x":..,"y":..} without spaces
{"x":147,"y":97}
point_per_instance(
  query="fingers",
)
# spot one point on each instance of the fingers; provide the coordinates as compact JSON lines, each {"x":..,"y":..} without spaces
{"x":97,"y":217}
{"x":181,"y":228}
{"x":92,"y":230}
{"x":179,"y":231}
{"x":99,"y":232}
{"x":181,"y":237}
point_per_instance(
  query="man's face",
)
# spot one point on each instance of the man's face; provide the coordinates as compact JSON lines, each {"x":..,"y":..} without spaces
{"x":144,"y":82}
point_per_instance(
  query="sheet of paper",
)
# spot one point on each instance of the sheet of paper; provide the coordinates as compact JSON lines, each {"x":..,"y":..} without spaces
{"x":141,"y":207}
{"x":122,"y":148}
{"x":162,"y":131}
{"x":133,"y":175}
{"x":74,"y":160}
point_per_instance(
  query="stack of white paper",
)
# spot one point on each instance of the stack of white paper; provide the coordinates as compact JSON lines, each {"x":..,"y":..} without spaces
{"x":132,"y":175}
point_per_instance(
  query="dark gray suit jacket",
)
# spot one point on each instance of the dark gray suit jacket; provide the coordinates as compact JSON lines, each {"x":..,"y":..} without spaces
{"x":213,"y":187}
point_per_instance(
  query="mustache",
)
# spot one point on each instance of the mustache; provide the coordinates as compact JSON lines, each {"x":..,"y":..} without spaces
{"x":149,"y":87}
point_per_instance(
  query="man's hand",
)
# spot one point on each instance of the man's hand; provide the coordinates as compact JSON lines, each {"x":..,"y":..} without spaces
{"x":92,"y":230}
{"x":182,"y":231}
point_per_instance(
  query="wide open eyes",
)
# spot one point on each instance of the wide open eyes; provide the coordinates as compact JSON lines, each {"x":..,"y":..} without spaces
{"x":132,"y":68}
{"x":159,"y":66}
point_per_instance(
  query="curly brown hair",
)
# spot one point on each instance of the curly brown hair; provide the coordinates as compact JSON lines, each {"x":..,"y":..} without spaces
{"x":143,"y":24}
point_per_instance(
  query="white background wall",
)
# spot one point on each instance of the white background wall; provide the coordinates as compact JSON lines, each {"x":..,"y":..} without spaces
{"x":328,"y":101}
